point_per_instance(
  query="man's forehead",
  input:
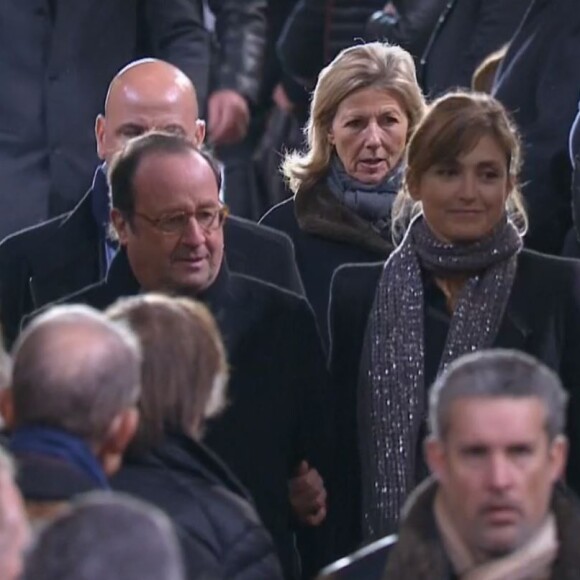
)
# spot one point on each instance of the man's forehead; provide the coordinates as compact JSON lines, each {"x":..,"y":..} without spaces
{"x":496,"y":418}
{"x":176,"y":173}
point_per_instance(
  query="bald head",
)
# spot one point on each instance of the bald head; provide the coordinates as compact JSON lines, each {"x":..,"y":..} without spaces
{"x":74,"y":370}
{"x":148,"y":95}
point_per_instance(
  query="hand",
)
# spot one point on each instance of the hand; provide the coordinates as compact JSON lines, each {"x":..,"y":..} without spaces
{"x":307,"y":495}
{"x":390,"y":8}
{"x":228,"y":116}
{"x":281,"y":99}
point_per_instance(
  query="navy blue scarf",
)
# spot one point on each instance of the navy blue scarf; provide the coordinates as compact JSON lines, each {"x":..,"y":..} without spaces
{"x":373,"y":203}
{"x":51,"y":442}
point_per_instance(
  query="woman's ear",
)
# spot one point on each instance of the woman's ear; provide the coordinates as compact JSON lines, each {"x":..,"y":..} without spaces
{"x":413,"y":189}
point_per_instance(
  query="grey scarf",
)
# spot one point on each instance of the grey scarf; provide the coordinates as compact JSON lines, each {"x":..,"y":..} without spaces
{"x":373,"y":203}
{"x":392,"y":393}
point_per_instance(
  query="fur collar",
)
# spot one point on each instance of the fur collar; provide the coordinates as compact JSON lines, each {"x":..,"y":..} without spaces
{"x":319,"y":212}
{"x":419,"y":554}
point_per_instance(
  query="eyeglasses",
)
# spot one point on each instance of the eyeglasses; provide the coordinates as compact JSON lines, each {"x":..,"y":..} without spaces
{"x":209,"y":219}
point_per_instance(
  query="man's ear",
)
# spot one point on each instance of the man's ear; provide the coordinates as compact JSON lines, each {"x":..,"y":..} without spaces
{"x":121,"y":225}
{"x":119,"y":434}
{"x":434,"y":456}
{"x":100,"y":136}
{"x":7,"y":407}
{"x":558,"y":457}
{"x":199,"y":132}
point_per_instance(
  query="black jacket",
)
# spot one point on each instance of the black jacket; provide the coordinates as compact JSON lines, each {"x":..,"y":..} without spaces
{"x":240,"y":36}
{"x":410,"y":29}
{"x":419,"y":552}
{"x":325,"y":235}
{"x":467,"y":32}
{"x":542,"y":318}
{"x":210,"y":509}
{"x":55,"y":69}
{"x":538,"y":82}
{"x":56,"y":258}
{"x":278,"y":412}
{"x":329,"y":26}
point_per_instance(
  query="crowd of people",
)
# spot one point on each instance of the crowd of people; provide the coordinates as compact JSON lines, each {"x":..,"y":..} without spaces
{"x":290,"y":287}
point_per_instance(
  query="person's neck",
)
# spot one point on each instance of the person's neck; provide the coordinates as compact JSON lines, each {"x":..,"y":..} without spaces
{"x":451,"y":287}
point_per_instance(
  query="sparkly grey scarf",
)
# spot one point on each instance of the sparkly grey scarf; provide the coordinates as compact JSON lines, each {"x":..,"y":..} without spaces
{"x":392,"y":393}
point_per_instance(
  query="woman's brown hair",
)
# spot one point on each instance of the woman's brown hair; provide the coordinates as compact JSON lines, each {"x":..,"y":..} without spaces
{"x":452,"y":127}
{"x":184,"y":369}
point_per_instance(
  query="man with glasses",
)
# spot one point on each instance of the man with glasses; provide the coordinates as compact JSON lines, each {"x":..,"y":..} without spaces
{"x":169,"y":222}
{"x":58,"y":257}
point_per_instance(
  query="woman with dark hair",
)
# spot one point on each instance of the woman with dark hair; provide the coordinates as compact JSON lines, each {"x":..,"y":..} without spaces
{"x":184,"y":375}
{"x":458,"y":281}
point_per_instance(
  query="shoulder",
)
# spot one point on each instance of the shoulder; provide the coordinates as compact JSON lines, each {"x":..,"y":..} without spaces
{"x":356,"y":279}
{"x":240,"y":230}
{"x":547,"y":270}
{"x":281,"y":216}
{"x":30,"y":241}
{"x":265,"y":294}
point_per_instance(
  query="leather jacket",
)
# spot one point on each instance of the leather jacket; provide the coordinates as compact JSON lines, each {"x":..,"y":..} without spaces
{"x":240,"y":40}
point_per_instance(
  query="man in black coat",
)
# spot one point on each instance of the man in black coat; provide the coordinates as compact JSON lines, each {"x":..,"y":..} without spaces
{"x":168,"y":219}
{"x":58,"y":58}
{"x":58,"y":257}
{"x":539,"y":83}
{"x":466,"y":33}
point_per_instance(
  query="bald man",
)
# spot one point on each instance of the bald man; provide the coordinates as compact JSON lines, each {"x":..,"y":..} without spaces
{"x":58,"y":257}
{"x":58,"y":59}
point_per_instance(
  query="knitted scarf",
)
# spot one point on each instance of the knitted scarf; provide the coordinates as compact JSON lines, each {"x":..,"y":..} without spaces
{"x":373,"y":203}
{"x":392,"y":393}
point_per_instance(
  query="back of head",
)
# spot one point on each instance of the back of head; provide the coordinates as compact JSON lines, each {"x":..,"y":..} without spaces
{"x":184,"y":369}
{"x":107,"y":537}
{"x":452,"y":127}
{"x":74,"y":370}
{"x":372,"y":65}
{"x":498,"y":373}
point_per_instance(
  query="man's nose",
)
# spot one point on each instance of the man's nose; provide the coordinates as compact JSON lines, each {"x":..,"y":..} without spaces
{"x":193,"y":234}
{"x":500,"y":472}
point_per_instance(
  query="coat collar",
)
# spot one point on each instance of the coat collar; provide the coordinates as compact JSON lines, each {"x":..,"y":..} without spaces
{"x":319,"y":212}
{"x":419,"y":553}
{"x":183,"y":454}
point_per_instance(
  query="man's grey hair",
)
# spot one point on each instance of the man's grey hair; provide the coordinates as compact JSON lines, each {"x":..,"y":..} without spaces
{"x":497,"y":373}
{"x":75,"y":370}
{"x":107,"y":536}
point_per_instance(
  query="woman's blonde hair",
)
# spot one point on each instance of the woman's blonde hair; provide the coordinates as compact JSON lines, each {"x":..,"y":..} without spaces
{"x":373,"y":65}
{"x":452,"y":127}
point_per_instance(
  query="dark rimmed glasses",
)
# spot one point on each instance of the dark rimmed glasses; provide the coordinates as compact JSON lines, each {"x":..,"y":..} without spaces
{"x":209,"y":219}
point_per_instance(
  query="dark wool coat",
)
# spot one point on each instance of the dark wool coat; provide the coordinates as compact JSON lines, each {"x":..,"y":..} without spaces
{"x":278,"y":412}
{"x":419,"y":553}
{"x":542,"y":318}
{"x":326,"y":234}
{"x":467,"y":32}
{"x":59,"y":58}
{"x":329,"y":26}
{"x":212,"y":512}
{"x":44,"y":263}
{"x":539,"y":84}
